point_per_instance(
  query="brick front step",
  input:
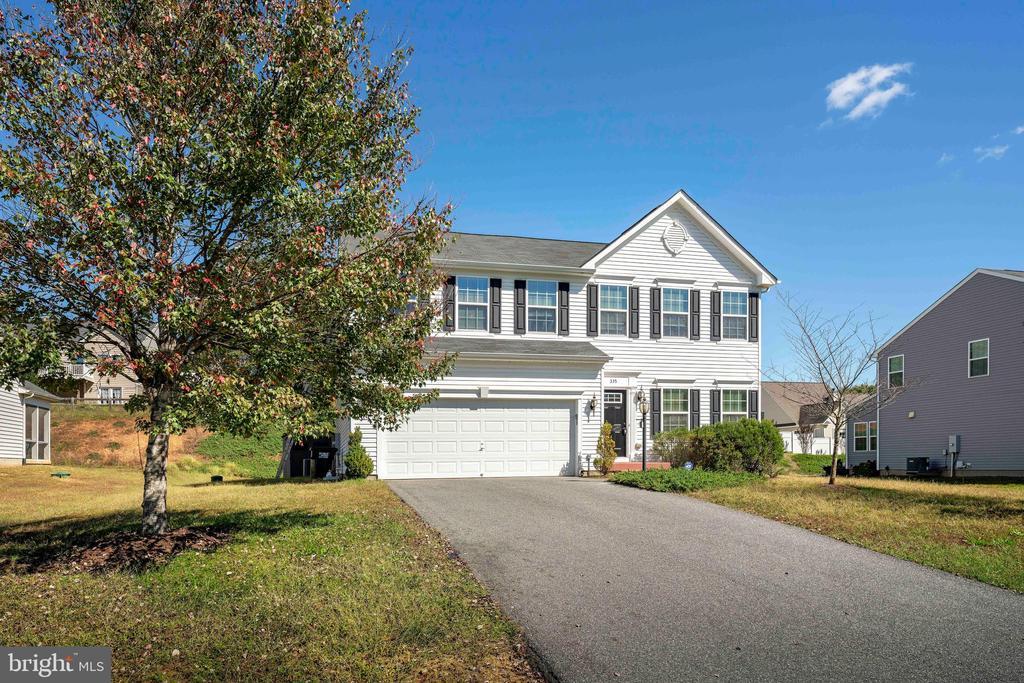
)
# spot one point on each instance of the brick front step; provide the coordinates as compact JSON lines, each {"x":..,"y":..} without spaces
{"x":633,"y":466}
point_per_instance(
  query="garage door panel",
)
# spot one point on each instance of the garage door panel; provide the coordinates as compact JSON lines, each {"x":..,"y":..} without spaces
{"x":447,"y":426}
{"x":500,"y":438}
{"x":518,"y":447}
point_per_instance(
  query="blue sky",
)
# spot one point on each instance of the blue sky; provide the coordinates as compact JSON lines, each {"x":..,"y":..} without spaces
{"x":571,"y":120}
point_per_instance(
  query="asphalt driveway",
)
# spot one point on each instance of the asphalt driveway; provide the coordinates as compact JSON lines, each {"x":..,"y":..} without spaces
{"x":611,"y":583}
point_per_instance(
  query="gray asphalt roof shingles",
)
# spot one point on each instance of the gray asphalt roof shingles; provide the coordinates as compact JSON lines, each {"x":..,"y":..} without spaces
{"x":533,"y":251}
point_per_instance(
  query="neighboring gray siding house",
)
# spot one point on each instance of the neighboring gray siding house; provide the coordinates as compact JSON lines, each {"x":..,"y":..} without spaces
{"x":556,"y":337}
{"x":958,"y":368}
{"x":24,"y":424}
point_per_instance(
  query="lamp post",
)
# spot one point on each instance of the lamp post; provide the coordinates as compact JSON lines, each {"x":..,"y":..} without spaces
{"x":645,"y":408}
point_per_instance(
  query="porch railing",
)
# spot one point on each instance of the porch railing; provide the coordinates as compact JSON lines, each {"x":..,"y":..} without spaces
{"x":79,"y":370}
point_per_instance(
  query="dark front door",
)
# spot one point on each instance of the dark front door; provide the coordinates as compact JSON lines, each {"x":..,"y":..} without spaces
{"x":615,"y":415}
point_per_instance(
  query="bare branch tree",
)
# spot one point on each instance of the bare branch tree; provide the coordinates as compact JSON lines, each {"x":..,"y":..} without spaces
{"x":805,"y":435}
{"x":833,"y":355}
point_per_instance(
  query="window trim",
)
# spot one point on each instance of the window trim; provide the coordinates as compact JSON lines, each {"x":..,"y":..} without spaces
{"x":486,"y":305}
{"x":869,"y":434}
{"x":746,"y":316}
{"x":987,"y":357}
{"x":553,"y":308}
{"x":902,"y":371}
{"x":601,"y":310}
{"x":746,"y":405}
{"x":665,"y":413}
{"x":665,"y":313}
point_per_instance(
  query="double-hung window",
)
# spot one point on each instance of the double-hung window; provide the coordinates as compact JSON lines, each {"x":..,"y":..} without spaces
{"x":977,"y":358}
{"x":675,"y":409}
{"x":541,"y":305}
{"x":895,"y":371}
{"x":734,"y":405}
{"x":613,"y":309}
{"x":472,"y":302}
{"x":865,"y":436}
{"x":734,"y":315}
{"x":675,"y":306}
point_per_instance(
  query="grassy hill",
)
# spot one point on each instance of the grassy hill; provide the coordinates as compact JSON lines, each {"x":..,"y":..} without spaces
{"x":99,"y":436}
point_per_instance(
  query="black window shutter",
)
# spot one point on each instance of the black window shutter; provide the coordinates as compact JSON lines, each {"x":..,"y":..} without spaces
{"x":495,"y":304}
{"x":591,"y":310}
{"x":563,"y":308}
{"x":694,"y":408}
{"x":448,"y":305}
{"x":520,"y":307}
{"x":694,"y":314}
{"x":716,"y":316}
{"x":752,"y":410}
{"x":716,"y":406}
{"x":655,"y":313}
{"x":655,"y":411}
{"x":754,"y":309}
{"x":634,"y":312}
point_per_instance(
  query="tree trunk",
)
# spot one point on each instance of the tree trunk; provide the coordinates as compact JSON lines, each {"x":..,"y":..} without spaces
{"x":835,"y":454}
{"x":154,"y":495}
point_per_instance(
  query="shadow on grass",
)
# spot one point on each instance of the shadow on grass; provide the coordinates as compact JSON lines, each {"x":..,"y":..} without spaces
{"x":257,"y":481}
{"x":57,"y":544}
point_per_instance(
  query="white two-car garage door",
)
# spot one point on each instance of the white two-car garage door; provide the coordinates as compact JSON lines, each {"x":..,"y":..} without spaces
{"x":479,"y":437}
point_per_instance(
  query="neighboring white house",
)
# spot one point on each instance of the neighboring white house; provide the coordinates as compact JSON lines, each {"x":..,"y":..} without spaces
{"x":25,"y":424}
{"x":797,"y":407}
{"x":556,"y":337}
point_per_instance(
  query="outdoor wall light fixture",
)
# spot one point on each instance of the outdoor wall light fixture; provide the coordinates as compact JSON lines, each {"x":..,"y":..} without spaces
{"x":592,"y":404}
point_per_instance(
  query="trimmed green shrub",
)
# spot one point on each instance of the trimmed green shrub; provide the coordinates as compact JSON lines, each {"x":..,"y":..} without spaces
{"x":745,"y":446}
{"x":683,"y":480}
{"x":358,"y":464}
{"x":605,"y":450}
{"x":673,"y":446}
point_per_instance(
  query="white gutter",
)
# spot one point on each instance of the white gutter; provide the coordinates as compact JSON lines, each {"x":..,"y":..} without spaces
{"x":527,"y":357}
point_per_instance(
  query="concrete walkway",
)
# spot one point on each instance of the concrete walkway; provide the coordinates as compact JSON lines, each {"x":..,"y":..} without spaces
{"x":611,"y":583}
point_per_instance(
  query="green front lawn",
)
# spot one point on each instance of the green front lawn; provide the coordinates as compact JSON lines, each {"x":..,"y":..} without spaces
{"x":971,"y":529}
{"x":318,"y":581}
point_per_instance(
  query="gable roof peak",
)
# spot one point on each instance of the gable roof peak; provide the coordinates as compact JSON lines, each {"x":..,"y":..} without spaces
{"x":732,"y":246}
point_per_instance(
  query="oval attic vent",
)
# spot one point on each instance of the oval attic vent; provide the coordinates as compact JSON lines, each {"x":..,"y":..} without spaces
{"x":675,"y":237}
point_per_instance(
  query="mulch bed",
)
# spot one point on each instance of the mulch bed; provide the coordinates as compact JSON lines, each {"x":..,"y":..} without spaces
{"x":128,"y":551}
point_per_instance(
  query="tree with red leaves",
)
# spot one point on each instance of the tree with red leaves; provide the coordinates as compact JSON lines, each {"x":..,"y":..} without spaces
{"x":213,"y":188}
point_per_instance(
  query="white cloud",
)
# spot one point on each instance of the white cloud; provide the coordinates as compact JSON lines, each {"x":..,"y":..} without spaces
{"x":1019,"y":130}
{"x":868,"y":90}
{"x":996,"y":152}
{"x":945,"y":158}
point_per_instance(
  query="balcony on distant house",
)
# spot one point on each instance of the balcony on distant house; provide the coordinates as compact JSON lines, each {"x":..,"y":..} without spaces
{"x":76,"y":370}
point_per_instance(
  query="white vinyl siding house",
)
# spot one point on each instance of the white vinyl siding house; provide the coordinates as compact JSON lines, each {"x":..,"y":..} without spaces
{"x":25,"y":425}
{"x":577,"y":329}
